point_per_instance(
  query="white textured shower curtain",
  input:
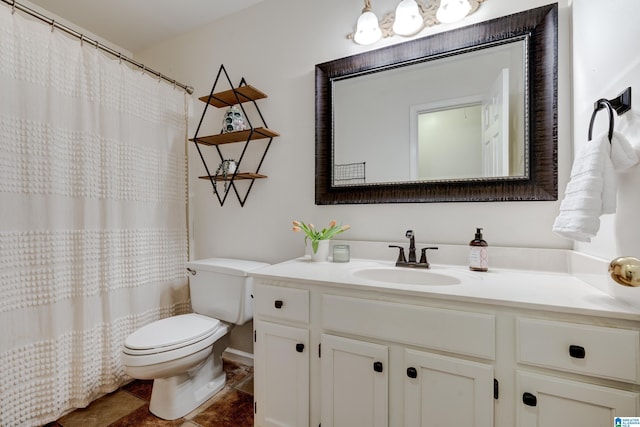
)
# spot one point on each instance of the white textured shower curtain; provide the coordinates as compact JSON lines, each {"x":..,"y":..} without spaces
{"x":93,"y":235}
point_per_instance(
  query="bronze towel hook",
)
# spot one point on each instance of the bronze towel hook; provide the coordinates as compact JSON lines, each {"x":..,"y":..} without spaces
{"x":621,"y":104}
{"x":600,"y":104}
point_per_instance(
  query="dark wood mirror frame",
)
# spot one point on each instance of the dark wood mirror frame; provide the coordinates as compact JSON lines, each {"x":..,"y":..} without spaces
{"x":541,"y":24}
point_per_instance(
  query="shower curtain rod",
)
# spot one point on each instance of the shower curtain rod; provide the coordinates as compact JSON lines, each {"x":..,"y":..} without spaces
{"x":15,"y":5}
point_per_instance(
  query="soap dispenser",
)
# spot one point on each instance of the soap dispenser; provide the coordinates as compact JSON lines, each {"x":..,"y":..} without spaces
{"x":479,"y":253}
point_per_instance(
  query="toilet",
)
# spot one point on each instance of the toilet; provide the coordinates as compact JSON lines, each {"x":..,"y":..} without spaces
{"x":183,"y":354}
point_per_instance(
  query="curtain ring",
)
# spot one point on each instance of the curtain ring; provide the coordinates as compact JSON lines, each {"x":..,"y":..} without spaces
{"x":53,"y":25}
{"x":13,"y":7}
{"x":81,"y":40}
{"x":120,"y":57}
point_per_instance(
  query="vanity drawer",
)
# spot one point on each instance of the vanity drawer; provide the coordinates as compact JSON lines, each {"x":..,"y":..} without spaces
{"x":282,"y":303}
{"x":591,"y":350}
{"x":455,"y":331}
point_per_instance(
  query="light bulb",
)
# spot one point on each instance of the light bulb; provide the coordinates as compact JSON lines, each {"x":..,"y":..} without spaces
{"x":408,"y":20}
{"x":452,"y":10}
{"x":367,"y":29}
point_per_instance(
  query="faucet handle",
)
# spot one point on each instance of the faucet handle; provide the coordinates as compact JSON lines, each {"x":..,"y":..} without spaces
{"x":401,"y":258}
{"x":423,"y":256}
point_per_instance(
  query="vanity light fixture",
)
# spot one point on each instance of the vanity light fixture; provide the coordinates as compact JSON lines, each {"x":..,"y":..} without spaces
{"x":408,"y":20}
{"x":367,"y":30}
{"x":452,"y":10}
{"x":410,"y":17}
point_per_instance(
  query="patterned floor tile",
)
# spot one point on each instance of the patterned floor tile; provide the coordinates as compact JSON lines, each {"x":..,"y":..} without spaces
{"x":129,"y":407}
{"x":246,"y":386}
{"x":141,"y":417}
{"x":236,"y":372}
{"x":140,"y":388}
{"x":103,"y":411}
{"x":233,"y":409}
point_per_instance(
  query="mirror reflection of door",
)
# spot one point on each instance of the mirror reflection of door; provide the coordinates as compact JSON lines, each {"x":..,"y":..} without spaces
{"x":446,"y":139}
{"x":462,"y":138}
{"x":495,"y":128}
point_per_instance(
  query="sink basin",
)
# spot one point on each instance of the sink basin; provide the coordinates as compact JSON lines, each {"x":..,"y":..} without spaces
{"x":406,"y":276}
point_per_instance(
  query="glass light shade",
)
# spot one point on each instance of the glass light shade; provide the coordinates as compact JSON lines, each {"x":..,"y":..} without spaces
{"x":367,"y":30}
{"x":452,"y":10}
{"x":408,"y":20}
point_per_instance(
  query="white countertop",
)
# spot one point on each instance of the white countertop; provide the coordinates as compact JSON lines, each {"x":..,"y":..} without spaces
{"x":542,"y":290}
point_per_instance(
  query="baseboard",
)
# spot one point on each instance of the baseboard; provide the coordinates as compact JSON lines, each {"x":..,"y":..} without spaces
{"x":238,"y":356}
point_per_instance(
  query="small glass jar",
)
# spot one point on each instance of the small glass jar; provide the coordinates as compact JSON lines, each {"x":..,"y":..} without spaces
{"x":341,"y":253}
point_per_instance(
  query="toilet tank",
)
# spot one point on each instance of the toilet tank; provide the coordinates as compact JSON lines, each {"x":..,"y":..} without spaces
{"x":221,"y":288}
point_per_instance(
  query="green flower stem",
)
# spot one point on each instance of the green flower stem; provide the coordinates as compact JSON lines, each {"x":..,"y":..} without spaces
{"x":316,"y":235}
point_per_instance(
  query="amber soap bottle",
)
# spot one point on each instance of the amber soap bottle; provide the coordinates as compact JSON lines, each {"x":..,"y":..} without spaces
{"x":478,"y":253}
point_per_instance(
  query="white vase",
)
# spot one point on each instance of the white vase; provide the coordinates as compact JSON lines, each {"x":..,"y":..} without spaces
{"x":322,"y":254}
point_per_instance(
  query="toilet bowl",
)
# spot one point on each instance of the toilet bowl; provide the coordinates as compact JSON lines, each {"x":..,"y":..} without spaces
{"x":183,"y":354}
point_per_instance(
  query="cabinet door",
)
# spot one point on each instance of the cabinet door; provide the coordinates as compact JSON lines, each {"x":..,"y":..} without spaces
{"x":545,"y":401}
{"x":445,"y":391}
{"x":354,"y":383}
{"x":282,"y":376}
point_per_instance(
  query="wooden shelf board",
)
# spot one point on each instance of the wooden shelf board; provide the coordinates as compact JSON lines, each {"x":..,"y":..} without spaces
{"x":228,"y":97}
{"x":239,"y":176}
{"x":240,"y":136}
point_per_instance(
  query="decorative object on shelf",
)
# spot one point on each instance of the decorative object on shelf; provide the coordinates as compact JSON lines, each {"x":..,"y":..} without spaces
{"x":226,"y":169}
{"x":233,"y":120}
{"x":410,"y":17}
{"x":241,"y":131}
{"x":319,"y":237}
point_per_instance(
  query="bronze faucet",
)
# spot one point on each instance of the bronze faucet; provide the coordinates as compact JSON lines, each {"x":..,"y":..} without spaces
{"x":412,"y":263}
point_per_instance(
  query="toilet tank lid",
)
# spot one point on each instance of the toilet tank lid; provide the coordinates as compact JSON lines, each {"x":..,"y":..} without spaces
{"x":234,"y":267}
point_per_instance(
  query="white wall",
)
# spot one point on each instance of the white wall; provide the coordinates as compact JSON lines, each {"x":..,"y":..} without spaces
{"x":275,"y":46}
{"x":606,"y":60}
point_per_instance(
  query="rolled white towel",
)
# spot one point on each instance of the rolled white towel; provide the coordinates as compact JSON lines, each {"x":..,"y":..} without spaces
{"x":592,"y":188}
{"x":623,"y":156}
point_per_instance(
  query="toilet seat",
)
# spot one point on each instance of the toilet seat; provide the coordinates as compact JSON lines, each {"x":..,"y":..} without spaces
{"x":171,"y":338}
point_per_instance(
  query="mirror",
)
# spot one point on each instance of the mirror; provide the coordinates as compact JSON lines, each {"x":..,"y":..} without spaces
{"x":494,"y":84}
{"x":457,"y":117}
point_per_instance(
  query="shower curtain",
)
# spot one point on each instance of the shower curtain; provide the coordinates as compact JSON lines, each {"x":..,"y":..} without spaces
{"x":93,"y":234}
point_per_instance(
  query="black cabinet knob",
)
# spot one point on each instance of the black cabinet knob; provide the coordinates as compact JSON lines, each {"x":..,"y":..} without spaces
{"x":577,"y":351}
{"x":377,"y":366}
{"x":412,"y":372}
{"x":278,"y":304}
{"x":299,"y":347}
{"x":529,"y":399}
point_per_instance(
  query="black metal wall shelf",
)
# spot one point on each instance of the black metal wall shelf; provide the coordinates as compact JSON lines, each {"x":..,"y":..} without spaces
{"x":237,"y":95}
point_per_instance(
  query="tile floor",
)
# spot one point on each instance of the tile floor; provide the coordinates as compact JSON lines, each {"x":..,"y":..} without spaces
{"x":129,"y":406}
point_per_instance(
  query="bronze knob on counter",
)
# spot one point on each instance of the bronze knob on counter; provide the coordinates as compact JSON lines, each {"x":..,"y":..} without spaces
{"x":625,"y":271}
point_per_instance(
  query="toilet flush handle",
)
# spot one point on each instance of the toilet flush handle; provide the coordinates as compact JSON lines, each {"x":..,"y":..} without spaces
{"x":192,"y":271}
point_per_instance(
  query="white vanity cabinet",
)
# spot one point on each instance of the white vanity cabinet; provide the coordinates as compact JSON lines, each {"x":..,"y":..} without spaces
{"x":354,"y":377}
{"x":550,"y":401}
{"x":281,"y":356}
{"x":433,"y":389}
{"x":447,"y":391}
{"x":383,"y":356}
{"x":377,"y":363}
{"x":600,"y":353}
